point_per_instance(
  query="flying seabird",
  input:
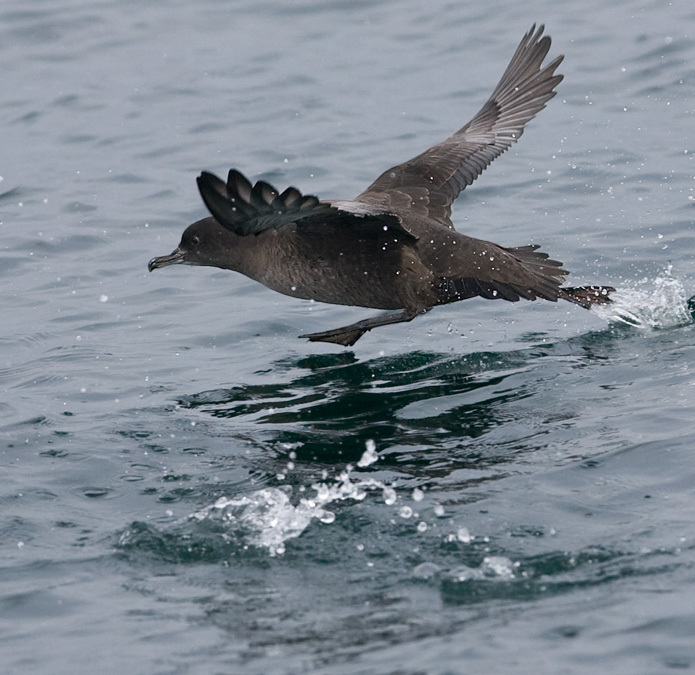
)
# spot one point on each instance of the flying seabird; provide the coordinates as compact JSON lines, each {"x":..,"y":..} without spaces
{"x":394,"y":246}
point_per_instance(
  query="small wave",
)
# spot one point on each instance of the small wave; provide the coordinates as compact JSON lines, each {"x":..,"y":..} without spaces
{"x":652,"y":304}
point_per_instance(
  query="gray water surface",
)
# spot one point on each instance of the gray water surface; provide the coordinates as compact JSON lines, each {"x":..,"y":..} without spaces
{"x":189,"y":488}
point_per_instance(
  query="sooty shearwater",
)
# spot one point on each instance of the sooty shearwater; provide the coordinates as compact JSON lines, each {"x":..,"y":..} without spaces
{"x":393,"y":246}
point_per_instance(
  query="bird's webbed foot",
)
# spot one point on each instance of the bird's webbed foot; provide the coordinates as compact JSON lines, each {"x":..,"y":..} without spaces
{"x":348,"y":335}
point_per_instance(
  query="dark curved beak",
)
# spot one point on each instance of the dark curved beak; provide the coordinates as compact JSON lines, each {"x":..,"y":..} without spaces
{"x":176,"y":257}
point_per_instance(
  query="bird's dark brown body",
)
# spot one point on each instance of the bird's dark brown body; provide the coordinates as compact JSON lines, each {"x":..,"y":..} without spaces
{"x":393,"y":246}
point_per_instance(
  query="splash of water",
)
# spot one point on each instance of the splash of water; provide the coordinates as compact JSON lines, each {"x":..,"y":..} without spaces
{"x":267,"y":518}
{"x":264,"y":518}
{"x":652,"y":304}
{"x":492,"y":567}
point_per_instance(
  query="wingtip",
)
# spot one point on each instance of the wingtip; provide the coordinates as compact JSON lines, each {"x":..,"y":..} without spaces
{"x":208,"y":184}
{"x":534,"y":33}
{"x":203,"y":181}
{"x":208,"y":178}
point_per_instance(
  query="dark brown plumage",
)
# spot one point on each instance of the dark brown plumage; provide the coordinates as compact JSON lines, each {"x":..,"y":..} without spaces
{"x":394,"y":246}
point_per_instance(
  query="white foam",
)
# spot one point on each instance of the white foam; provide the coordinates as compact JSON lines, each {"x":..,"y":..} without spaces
{"x":651,"y":304}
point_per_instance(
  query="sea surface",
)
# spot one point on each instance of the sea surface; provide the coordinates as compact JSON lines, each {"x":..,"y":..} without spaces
{"x":188,"y":488}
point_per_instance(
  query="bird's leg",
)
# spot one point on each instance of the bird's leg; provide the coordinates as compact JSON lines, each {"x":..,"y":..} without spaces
{"x":348,"y":335}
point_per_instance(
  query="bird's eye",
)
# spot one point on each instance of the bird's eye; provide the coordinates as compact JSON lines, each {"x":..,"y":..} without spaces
{"x":195,"y":240}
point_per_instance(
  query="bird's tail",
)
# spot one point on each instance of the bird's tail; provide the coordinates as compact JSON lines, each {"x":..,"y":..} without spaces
{"x":586,"y":296}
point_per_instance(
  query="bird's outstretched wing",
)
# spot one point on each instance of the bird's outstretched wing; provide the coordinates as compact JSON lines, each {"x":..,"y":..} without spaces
{"x":247,"y":209}
{"x":251,"y":209}
{"x":430,"y":182}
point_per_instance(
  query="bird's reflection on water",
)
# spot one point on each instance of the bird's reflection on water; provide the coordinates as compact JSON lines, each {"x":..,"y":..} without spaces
{"x":421,"y":408}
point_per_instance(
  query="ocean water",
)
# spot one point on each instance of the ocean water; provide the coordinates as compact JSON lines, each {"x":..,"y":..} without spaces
{"x":187,"y":487}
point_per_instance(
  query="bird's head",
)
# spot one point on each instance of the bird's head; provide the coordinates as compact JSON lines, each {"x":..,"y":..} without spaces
{"x":205,"y":242}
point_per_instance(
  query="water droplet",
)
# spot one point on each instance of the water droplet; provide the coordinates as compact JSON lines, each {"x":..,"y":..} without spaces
{"x":463,"y":535}
{"x":426,"y":570}
{"x":370,"y":455}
